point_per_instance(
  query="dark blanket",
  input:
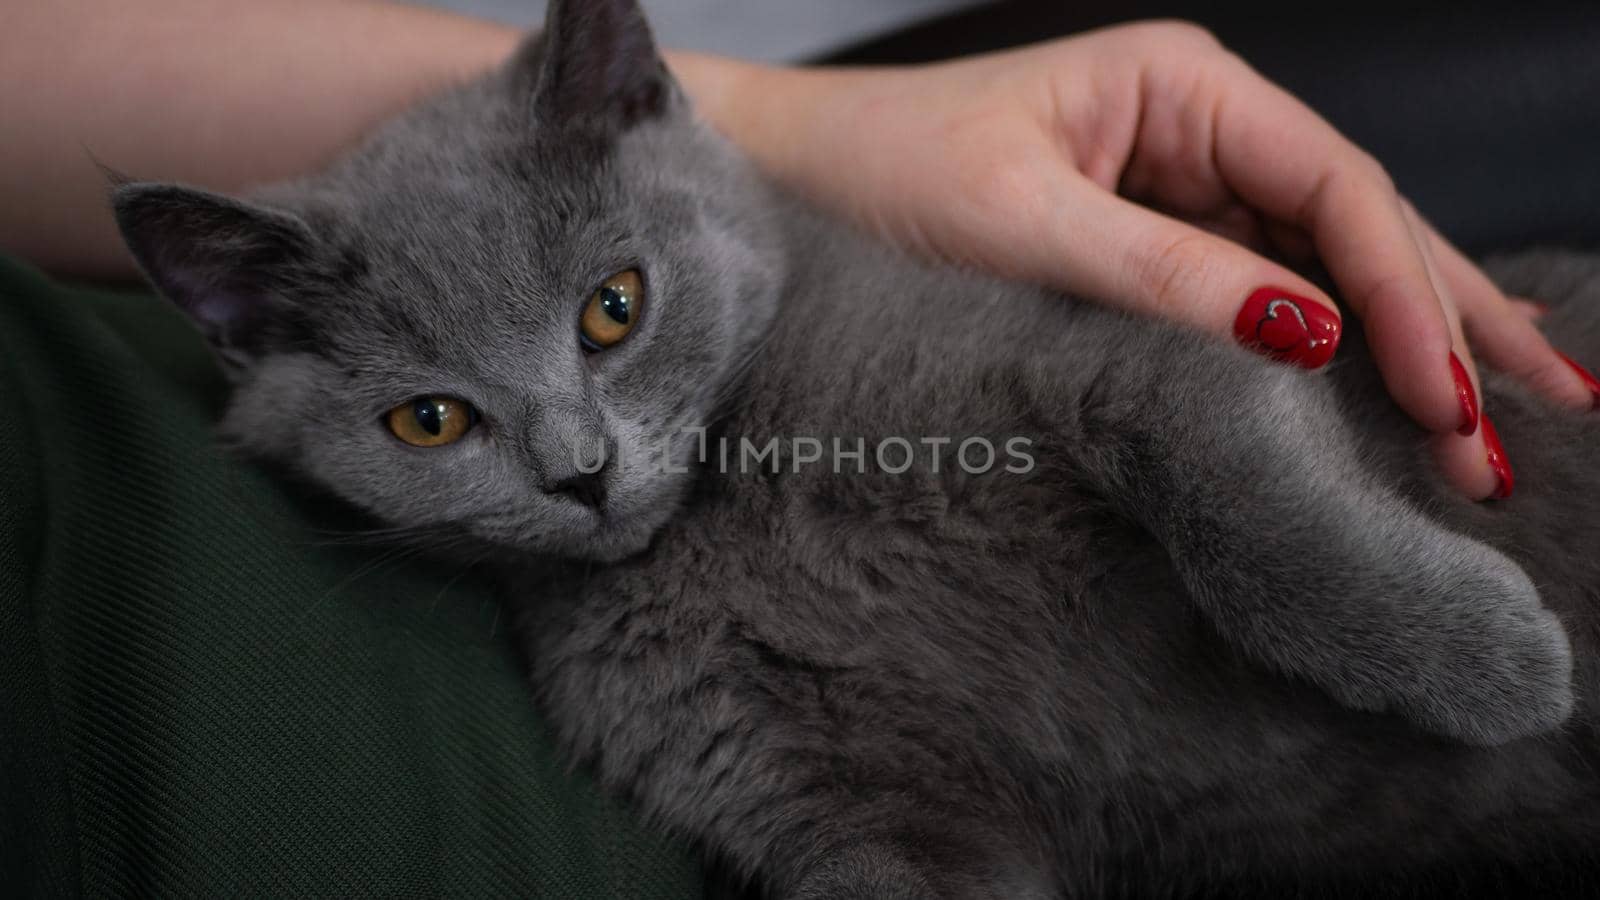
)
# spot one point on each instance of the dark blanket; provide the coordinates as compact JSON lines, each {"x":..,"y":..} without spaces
{"x":208,"y":688}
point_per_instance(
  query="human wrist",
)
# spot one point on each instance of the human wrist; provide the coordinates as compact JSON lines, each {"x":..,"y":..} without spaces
{"x":773,"y":113}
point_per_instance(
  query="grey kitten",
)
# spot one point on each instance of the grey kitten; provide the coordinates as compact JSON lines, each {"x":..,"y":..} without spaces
{"x":1210,"y":637}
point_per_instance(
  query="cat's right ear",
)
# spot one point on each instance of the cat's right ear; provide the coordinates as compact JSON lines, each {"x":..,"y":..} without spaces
{"x":596,"y":67}
{"x":224,"y":262}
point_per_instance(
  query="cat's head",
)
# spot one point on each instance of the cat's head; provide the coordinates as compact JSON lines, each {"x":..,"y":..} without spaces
{"x":447,"y":327}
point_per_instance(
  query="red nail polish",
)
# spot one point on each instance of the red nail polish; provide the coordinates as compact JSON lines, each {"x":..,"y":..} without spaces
{"x":1467,"y":396}
{"x":1288,"y":328}
{"x":1504,"y":481}
{"x":1589,"y":381}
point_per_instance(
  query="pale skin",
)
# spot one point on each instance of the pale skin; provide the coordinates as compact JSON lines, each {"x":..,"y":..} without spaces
{"x":1047,"y":163}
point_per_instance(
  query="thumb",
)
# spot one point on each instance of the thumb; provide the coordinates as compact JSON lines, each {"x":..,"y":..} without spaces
{"x":1128,"y":256}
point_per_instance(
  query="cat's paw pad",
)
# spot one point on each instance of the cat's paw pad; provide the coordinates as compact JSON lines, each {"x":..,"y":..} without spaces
{"x":1496,"y":665}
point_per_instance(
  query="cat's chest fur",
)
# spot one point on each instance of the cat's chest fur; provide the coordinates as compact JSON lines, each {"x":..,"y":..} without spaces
{"x":832,"y":597}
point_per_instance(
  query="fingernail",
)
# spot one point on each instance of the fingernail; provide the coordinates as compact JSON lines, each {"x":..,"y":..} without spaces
{"x":1288,"y":328}
{"x":1467,"y":396}
{"x":1504,"y":481}
{"x":1589,"y":381}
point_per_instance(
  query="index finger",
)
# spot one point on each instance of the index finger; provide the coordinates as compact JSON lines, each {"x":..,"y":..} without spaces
{"x":1279,"y":156}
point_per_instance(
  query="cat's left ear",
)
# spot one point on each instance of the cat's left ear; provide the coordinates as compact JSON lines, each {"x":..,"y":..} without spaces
{"x":598,"y":65}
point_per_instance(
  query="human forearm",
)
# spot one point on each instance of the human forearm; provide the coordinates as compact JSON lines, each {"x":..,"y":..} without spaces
{"x":221,"y":93}
{"x":218,"y":93}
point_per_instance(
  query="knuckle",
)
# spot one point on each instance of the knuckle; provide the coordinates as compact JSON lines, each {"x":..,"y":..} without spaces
{"x":1164,"y":36}
{"x":1189,"y":34}
{"x":1374,"y":172}
{"x":1397,"y":289}
{"x":1173,"y":277}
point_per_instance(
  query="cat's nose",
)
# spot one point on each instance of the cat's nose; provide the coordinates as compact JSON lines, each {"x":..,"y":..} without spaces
{"x":572,"y":454}
{"x":581,"y":474}
{"x":588,"y":488}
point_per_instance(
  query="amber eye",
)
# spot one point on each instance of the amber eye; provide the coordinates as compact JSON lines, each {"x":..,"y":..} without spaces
{"x":611,"y":311}
{"x":431,"y":421}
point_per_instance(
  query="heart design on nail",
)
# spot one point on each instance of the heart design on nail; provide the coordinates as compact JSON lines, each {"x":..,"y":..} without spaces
{"x":1288,"y":327}
{"x":1283,"y":327}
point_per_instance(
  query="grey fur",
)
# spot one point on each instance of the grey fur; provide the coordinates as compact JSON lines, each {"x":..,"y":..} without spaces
{"x":1111,"y":673}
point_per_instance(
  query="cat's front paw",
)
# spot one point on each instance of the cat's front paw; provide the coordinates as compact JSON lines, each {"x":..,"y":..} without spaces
{"x":1495,"y":665}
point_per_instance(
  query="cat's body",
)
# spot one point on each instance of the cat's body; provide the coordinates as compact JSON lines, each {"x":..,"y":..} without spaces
{"x":1000,"y":680}
{"x":1132,"y":666}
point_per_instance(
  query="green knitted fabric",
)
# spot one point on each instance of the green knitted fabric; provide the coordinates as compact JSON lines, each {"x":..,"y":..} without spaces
{"x":206,"y":690}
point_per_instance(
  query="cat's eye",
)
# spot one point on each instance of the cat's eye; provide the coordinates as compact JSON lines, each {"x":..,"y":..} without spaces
{"x":431,"y":421}
{"x":612,"y":311}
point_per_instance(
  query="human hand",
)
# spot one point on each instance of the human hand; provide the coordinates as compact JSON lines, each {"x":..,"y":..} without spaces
{"x":1146,"y":167}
